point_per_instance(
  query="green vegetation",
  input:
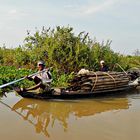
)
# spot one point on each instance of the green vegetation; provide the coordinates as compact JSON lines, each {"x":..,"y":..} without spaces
{"x":62,"y":50}
{"x":10,"y":73}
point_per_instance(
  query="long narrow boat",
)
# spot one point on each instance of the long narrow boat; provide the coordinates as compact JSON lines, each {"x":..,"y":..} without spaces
{"x":65,"y":94}
{"x":87,"y":85}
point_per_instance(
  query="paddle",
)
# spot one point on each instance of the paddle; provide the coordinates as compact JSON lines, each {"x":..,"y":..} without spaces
{"x":10,"y":83}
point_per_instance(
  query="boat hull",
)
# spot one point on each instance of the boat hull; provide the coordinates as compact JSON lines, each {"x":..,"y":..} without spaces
{"x":73,"y":94}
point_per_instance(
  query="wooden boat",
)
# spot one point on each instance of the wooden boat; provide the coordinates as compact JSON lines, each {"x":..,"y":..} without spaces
{"x":87,"y":85}
{"x":64,"y":94}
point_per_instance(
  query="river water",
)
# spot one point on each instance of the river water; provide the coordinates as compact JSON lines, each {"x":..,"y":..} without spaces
{"x":101,"y":118}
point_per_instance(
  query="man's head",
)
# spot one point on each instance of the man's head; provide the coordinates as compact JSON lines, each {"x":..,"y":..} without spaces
{"x":102,"y":61}
{"x":40,"y":65}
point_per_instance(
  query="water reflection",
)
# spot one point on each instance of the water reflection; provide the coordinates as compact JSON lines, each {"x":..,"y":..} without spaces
{"x":45,"y":114}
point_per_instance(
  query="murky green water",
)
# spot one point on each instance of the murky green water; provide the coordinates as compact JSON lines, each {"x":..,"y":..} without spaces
{"x":107,"y":118}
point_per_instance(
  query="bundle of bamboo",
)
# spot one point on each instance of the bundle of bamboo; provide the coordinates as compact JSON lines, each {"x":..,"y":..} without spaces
{"x":99,"y":81}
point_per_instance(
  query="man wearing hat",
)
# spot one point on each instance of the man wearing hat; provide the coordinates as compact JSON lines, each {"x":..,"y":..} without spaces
{"x":42,"y":79}
{"x":103,"y":67}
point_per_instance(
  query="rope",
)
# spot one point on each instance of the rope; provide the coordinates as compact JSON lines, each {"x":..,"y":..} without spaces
{"x":95,"y":81}
{"x":122,"y":68}
{"x":111,"y":77}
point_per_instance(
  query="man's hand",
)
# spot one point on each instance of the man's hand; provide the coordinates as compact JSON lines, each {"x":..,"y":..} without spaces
{"x":28,"y":77}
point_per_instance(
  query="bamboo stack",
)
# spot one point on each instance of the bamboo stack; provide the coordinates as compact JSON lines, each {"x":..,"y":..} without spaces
{"x":99,"y":81}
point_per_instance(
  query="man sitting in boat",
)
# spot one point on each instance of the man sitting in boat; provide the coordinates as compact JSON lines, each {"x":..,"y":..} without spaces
{"x":103,"y":66}
{"x":42,"y":79}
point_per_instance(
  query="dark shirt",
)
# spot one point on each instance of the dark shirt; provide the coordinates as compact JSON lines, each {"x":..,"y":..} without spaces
{"x":104,"y":68}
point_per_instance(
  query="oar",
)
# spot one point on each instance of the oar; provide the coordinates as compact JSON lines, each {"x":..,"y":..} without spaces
{"x":10,"y":83}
